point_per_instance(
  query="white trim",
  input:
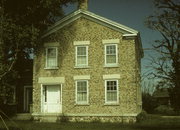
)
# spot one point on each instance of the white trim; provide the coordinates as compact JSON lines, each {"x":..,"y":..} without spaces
{"x":49,"y":67}
{"x":91,"y":16}
{"x":111,"y":102}
{"x":42,"y":105}
{"x":130,"y":35}
{"x":51,"y":80}
{"x":81,"y":65}
{"x":51,"y":44}
{"x":82,"y":103}
{"x":25,"y":87}
{"x":110,"y":41}
{"x":77,"y":43}
{"x":82,"y":77}
{"x":110,"y":64}
{"x":111,"y":76}
{"x":42,"y":108}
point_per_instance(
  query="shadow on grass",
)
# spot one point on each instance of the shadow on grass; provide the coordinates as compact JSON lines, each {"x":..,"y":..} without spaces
{"x":152,"y":123}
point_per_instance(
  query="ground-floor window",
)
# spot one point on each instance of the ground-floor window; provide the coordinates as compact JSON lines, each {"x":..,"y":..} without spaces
{"x":82,"y":91}
{"x":111,"y":91}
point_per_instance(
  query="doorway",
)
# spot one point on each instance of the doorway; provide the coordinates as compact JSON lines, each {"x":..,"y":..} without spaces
{"x":27,"y":98}
{"x":51,"y":99}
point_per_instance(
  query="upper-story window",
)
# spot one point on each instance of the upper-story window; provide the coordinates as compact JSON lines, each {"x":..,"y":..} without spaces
{"x":51,"y":57}
{"x":111,"y":54}
{"x":81,"y":53}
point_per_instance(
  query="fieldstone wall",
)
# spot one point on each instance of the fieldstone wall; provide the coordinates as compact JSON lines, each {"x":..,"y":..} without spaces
{"x":128,"y":68}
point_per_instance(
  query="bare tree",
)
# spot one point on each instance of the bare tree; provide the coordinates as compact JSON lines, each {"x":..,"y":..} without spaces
{"x":166,"y":63}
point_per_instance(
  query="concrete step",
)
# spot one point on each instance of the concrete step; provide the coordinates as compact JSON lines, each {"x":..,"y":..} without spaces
{"x":49,"y":118}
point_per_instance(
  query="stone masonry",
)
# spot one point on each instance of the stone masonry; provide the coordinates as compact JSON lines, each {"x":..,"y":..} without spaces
{"x":128,"y":67}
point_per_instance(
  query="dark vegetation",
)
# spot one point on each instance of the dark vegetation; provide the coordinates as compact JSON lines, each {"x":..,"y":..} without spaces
{"x":152,"y":122}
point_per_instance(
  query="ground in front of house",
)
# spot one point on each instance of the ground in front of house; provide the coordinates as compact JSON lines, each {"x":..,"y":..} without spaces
{"x":152,"y":123}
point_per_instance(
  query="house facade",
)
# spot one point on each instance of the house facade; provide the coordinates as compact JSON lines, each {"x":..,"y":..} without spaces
{"x":88,"y":68}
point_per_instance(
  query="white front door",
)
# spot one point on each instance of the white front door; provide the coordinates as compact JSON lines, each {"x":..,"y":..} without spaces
{"x":51,"y":99}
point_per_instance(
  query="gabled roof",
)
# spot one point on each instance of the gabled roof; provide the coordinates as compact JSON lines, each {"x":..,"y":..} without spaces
{"x":127,"y":32}
{"x":91,"y":16}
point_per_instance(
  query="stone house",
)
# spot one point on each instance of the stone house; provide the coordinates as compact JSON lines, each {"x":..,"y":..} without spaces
{"x":88,"y":68}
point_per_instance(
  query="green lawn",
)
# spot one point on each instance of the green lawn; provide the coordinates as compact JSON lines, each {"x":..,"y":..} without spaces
{"x":152,"y":123}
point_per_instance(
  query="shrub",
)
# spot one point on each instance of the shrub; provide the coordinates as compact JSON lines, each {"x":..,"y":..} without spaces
{"x":164,"y":110}
{"x":148,"y":103}
{"x":141,"y":116}
{"x":64,"y":118}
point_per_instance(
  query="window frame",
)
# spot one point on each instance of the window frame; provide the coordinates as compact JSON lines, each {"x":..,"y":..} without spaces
{"x":76,"y":56}
{"x":111,"y":102}
{"x":50,"y":67}
{"x":82,"y":102}
{"x":105,"y":54}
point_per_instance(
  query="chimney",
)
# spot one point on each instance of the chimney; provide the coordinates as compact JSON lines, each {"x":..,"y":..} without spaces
{"x":83,"y":4}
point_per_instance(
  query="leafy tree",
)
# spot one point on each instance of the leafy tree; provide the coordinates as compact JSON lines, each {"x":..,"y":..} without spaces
{"x":22,"y":22}
{"x":166,"y":20}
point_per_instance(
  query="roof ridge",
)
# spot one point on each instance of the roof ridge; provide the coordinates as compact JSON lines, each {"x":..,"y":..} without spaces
{"x":76,"y":14}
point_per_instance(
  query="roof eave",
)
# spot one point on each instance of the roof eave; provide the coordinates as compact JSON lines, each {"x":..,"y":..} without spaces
{"x":79,"y":13}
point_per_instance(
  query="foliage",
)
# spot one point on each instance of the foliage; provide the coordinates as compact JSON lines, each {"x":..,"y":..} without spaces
{"x":22,"y":22}
{"x":141,"y":116}
{"x":166,"y":63}
{"x":152,"y":122}
{"x":64,"y":118}
{"x":148,"y":102}
{"x":164,"y":110}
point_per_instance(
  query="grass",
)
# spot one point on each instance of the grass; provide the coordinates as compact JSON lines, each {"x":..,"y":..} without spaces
{"x":152,"y":123}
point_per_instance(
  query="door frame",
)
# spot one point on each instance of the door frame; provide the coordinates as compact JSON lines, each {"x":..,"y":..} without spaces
{"x":42,"y":106}
{"x":25,"y":87}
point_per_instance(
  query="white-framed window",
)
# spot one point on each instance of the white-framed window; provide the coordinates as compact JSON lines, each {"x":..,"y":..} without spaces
{"x":111,"y":91}
{"x":81,"y":56}
{"x":51,"y":57}
{"x":81,"y":91}
{"x":111,"y":54}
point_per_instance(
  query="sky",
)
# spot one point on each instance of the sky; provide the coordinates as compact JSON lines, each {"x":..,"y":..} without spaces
{"x":131,"y":13}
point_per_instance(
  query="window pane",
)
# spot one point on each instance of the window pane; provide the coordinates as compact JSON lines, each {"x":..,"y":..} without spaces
{"x":111,"y":96}
{"x":51,"y":62}
{"x":110,"y":58}
{"x":51,"y":53}
{"x":81,"y":97}
{"x":111,"y":49}
{"x":81,"y":51}
{"x":81,"y":60}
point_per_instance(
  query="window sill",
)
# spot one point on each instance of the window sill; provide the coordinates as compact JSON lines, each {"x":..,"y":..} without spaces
{"x":111,"y":104}
{"x":82,"y":104}
{"x":51,"y":68}
{"x":111,"y":66}
{"x":81,"y":67}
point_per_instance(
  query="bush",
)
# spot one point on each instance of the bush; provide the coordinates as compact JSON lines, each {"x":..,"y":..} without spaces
{"x":141,"y":116}
{"x":64,"y":118}
{"x":148,"y":103}
{"x":164,"y":110}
